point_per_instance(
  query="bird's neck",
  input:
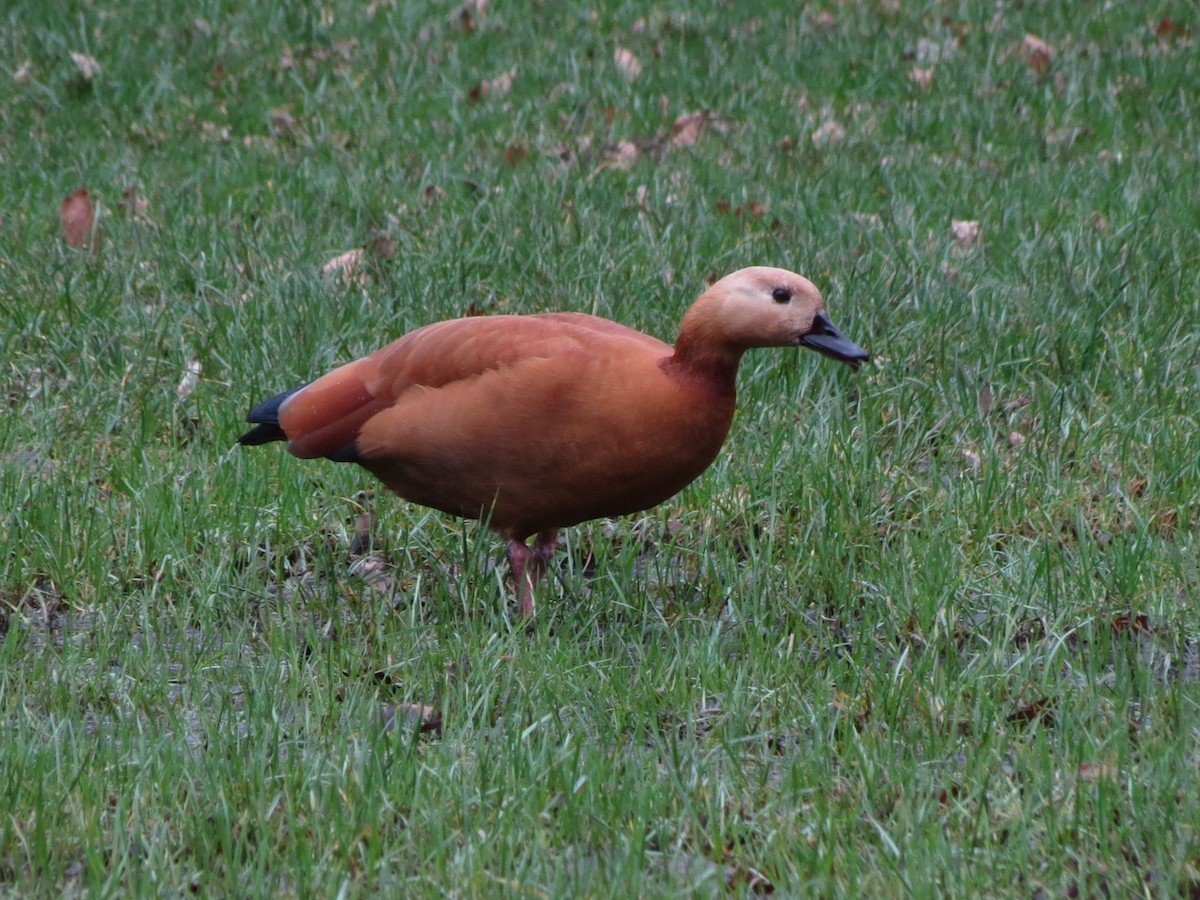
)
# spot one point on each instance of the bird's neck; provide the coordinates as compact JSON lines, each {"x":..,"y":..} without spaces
{"x":707,"y":364}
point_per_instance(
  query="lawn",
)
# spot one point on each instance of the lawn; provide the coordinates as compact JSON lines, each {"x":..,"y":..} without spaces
{"x":928,"y":628}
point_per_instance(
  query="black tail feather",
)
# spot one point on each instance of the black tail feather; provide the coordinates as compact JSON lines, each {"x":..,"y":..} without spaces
{"x":266,"y":417}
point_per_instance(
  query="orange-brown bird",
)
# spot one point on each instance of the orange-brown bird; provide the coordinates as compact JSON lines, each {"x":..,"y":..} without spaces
{"x":535,"y":423}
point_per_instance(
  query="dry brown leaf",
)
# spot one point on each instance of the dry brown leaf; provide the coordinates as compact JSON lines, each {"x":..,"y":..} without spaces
{"x":132,"y":201}
{"x":191,"y":377}
{"x":751,"y":210}
{"x":1038,"y":54}
{"x":78,"y":217}
{"x":284,"y":125}
{"x":499,"y":86}
{"x":381,"y":247}
{"x":823,"y":21}
{"x":515,"y":154}
{"x":1169,"y":28}
{"x":986,"y":399}
{"x":471,"y":14}
{"x":1133,"y":624}
{"x":88,"y":67}
{"x":424,"y":718}
{"x":738,"y":873}
{"x":627,"y":64}
{"x":966,"y":234}
{"x":346,"y":266}
{"x":623,"y":156}
{"x":375,"y":6}
{"x":1040,"y":710}
{"x":1104,"y":771}
{"x":829,"y":134}
{"x":642,"y":195}
{"x":922,"y":78}
{"x":685,"y":130}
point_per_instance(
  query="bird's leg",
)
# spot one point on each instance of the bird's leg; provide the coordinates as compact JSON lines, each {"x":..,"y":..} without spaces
{"x":546,"y":546}
{"x":526,"y":568}
{"x":528,"y":564}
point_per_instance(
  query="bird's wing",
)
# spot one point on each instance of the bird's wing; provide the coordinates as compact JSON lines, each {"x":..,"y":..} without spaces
{"x":325,"y":417}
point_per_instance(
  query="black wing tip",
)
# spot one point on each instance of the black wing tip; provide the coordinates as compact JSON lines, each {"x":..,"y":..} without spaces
{"x":266,"y":417}
{"x":347,"y":454}
{"x":262,"y":434}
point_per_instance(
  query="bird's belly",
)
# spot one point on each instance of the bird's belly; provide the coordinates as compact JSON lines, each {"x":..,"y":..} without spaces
{"x":522,"y":489}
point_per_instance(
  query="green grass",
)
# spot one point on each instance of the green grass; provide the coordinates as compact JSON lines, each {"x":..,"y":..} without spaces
{"x":928,"y":628}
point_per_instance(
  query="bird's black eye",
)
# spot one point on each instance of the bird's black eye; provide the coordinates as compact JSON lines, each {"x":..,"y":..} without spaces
{"x":781,"y":295}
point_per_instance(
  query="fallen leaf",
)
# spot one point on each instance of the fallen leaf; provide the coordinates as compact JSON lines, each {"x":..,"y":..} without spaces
{"x":499,"y":86}
{"x":284,"y":125}
{"x":1067,"y":135}
{"x":381,"y":247}
{"x":1038,"y":54}
{"x":922,"y":78}
{"x":471,"y":15}
{"x":375,"y":6}
{"x":1169,"y":28}
{"x":515,"y":154}
{"x":986,"y":400}
{"x":966,"y":234}
{"x":1166,"y":521}
{"x":929,"y":51}
{"x":88,"y":67}
{"x":1098,"y":772}
{"x":752,"y":210}
{"x":78,"y":217}
{"x":1136,"y":624}
{"x":365,"y":526}
{"x":623,"y":156}
{"x":642,"y":195}
{"x":133,"y":202}
{"x":685,"y":130}
{"x":426,"y":719}
{"x":823,"y":21}
{"x":627,"y":64}
{"x":191,"y":378}
{"x":1040,"y":710}
{"x":737,"y":874}
{"x":829,"y":134}
{"x":946,"y":795}
{"x":345,"y":265}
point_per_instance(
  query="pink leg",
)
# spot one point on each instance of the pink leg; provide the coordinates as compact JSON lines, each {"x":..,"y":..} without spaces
{"x":528,"y":564}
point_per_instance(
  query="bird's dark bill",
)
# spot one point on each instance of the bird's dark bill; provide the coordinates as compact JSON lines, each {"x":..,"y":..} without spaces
{"x":826,"y":339}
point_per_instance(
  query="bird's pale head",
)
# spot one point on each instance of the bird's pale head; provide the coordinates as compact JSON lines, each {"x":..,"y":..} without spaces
{"x":768,"y":307}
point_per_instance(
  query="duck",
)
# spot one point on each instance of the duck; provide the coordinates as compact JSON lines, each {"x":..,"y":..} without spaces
{"x":535,"y":423}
